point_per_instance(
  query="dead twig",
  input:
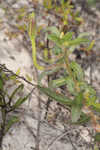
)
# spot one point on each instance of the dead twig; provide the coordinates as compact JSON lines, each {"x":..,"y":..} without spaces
{"x":56,"y":139}
{"x":5,"y":69}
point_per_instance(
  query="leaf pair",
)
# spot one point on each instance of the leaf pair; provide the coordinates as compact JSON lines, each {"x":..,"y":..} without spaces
{"x":76,"y":104}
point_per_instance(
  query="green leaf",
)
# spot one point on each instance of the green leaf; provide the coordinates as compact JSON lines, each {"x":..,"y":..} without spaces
{"x":19,"y":102}
{"x":84,"y":34}
{"x":19,"y":88}
{"x":96,"y":147}
{"x":79,"y":99}
{"x":97,"y":137}
{"x":53,"y":37}
{"x":70,"y":85}
{"x":13,"y":120}
{"x":13,"y":77}
{"x":4,"y":76}
{"x":83,"y":119}
{"x":67,"y":37}
{"x":90,"y":96}
{"x":76,"y":112}
{"x":45,"y":73}
{"x":92,"y":2}
{"x":18,"y":71}
{"x":57,"y":83}
{"x":1,"y":84}
{"x":57,"y":50}
{"x":76,"y":108}
{"x":64,"y":81}
{"x":1,"y":101}
{"x":55,"y":96}
{"x":77,"y":71}
{"x":28,"y":78}
{"x":96,"y":106}
{"x":53,"y":30}
{"x":76,"y":41}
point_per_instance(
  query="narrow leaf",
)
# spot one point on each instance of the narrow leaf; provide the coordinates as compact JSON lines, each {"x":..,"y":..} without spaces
{"x":97,"y":137}
{"x":76,"y":41}
{"x":19,"y":88}
{"x":54,"y":30}
{"x":1,"y":83}
{"x":77,"y":70}
{"x":53,"y":37}
{"x":76,"y":112}
{"x":67,"y":37}
{"x":55,"y":96}
{"x":57,"y":83}
{"x":19,"y":102}
{"x":76,"y":108}
{"x":44,"y":73}
{"x":91,"y":45}
{"x":13,"y":120}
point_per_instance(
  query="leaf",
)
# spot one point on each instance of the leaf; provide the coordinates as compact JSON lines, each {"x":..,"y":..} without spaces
{"x":56,"y":96}
{"x":84,"y":34}
{"x":53,"y":37}
{"x":28,"y":78}
{"x":47,"y":4}
{"x":76,"y":108}
{"x":13,"y":120}
{"x":57,"y":50}
{"x":19,"y":88}
{"x":75,"y":113}
{"x":70,"y":85}
{"x":79,"y":19}
{"x":1,"y":84}
{"x":96,"y":147}
{"x":18,"y":71}
{"x":83,"y":119}
{"x":1,"y":101}
{"x":57,"y":83}
{"x":44,"y":73}
{"x":77,"y":71}
{"x":90,"y":95}
{"x":91,"y":45}
{"x":97,"y":137}
{"x":53,"y":30}
{"x":67,"y":37}
{"x":4,"y":76}
{"x":13,"y":77}
{"x":64,"y":81}
{"x":19,"y":102}
{"x":78,"y":101}
{"x":76,"y":41}
{"x":96,"y":106}
{"x":92,"y":2}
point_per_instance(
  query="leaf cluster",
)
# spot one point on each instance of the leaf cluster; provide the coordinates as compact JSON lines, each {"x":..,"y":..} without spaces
{"x":9,"y":102}
{"x":83,"y":101}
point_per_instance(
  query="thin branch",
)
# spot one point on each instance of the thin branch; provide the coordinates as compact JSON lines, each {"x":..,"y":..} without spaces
{"x":5,"y":69}
{"x":74,"y":148}
{"x":56,"y":139}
